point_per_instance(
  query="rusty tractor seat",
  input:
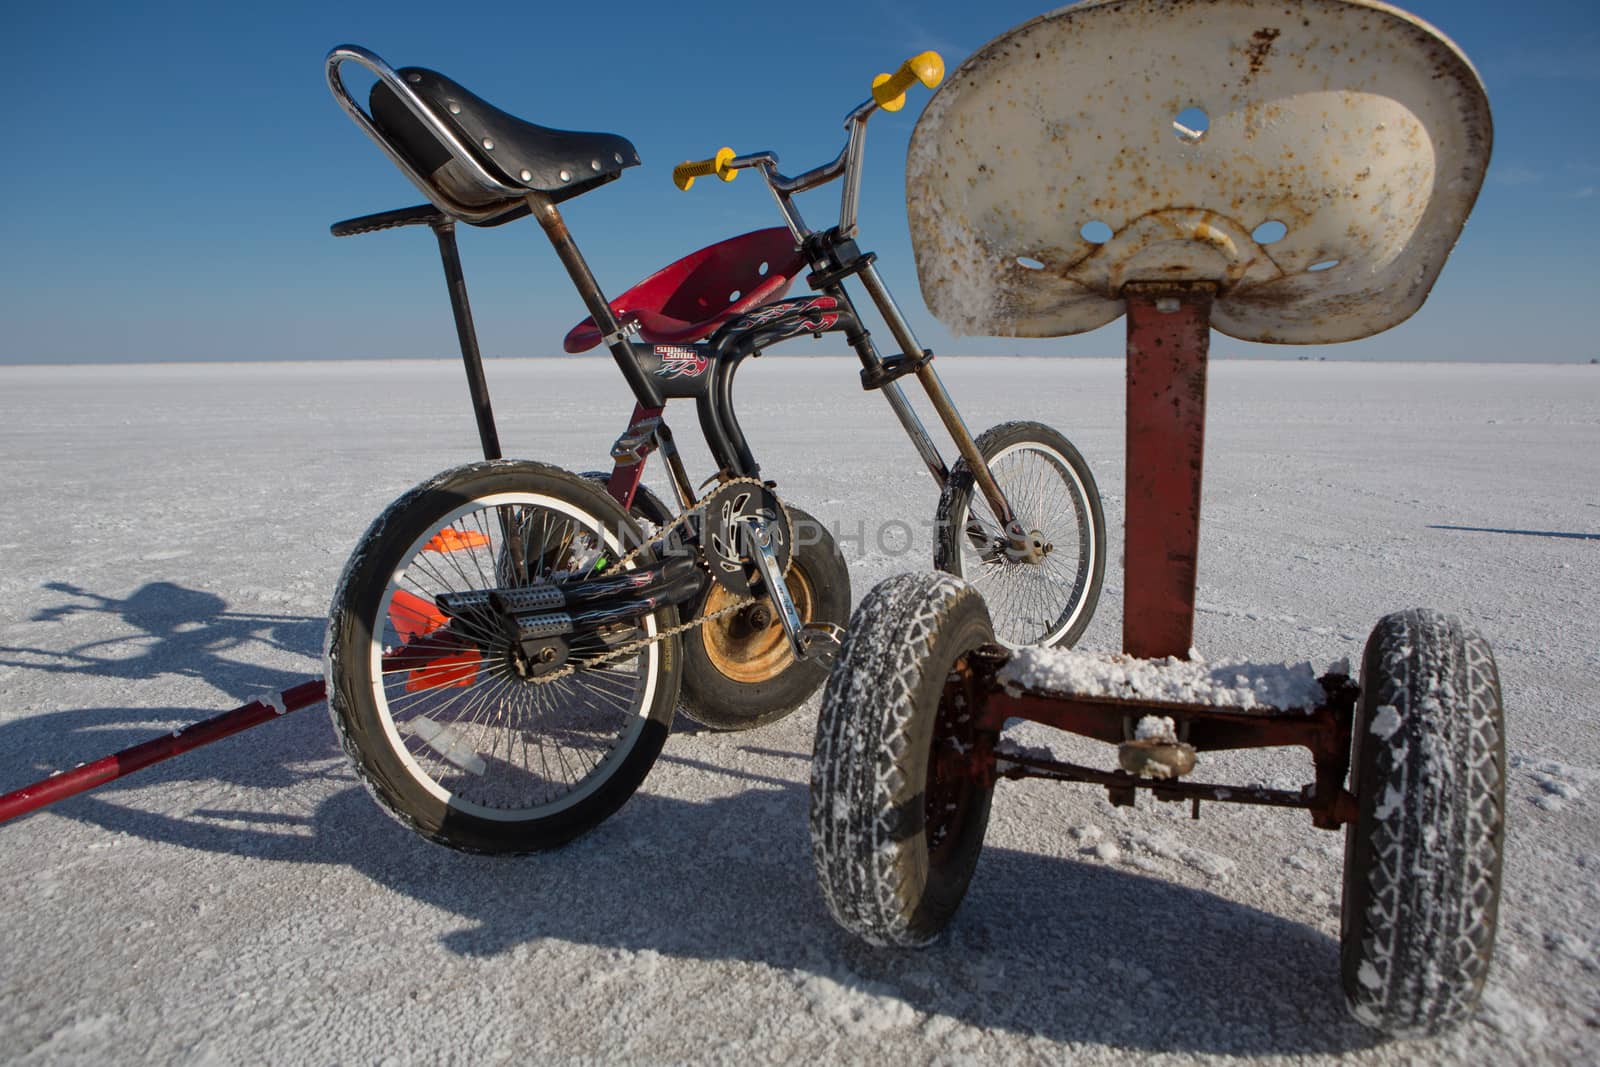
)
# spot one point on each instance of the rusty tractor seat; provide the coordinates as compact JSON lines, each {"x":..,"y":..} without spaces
{"x":1314,"y":161}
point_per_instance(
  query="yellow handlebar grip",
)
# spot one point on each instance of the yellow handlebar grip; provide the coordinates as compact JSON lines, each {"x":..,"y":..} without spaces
{"x":889,"y":90}
{"x":684,"y":174}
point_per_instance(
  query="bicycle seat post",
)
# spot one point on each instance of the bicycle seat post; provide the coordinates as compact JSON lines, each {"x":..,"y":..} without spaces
{"x":471,"y":357}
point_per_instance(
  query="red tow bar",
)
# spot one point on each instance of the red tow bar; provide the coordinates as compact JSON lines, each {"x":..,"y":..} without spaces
{"x":85,"y":777}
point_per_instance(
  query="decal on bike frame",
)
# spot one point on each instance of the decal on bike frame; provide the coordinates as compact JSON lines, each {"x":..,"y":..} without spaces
{"x":814,"y":315}
{"x":680,"y":362}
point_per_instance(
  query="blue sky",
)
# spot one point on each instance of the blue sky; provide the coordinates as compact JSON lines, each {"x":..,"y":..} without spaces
{"x":171,"y":170}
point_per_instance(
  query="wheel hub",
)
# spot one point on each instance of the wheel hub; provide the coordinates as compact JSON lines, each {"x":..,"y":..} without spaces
{"x":1030,"y":547}
{"x":750,"y":645}
{"x":532,"y":660}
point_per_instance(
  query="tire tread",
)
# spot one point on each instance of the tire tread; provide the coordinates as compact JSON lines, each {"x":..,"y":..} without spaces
{"x":1423,"y":865}
{"x":860,"y":813}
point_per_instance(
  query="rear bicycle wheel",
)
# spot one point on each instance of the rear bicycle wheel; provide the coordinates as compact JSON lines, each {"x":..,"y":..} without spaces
{"x":1054,"y":496}
{"x":451,"y":728}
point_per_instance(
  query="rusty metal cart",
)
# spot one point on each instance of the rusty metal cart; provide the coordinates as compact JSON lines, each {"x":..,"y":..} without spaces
{"x":1287,"y":173}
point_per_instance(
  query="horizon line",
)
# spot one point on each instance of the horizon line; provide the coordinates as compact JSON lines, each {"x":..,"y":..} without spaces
{"x":1226,"y":357}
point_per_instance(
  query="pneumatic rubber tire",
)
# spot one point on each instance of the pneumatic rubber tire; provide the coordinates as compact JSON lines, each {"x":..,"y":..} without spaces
{"x":1422,"y":860}
{"x":738,"y":677}
{"x":894,"y":846}
{"x":1051,"y":490}
{"x":448,"y":736}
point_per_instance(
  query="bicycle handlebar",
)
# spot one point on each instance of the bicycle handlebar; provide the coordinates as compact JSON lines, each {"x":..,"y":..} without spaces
{"x":684,"y":174}
{"x":888,"y":93}
{"x":889,"y":90}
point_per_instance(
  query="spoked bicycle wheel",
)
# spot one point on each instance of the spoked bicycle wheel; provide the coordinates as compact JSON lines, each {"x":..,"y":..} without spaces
{"x":454,"y":728}
{"x":1054,"y":496}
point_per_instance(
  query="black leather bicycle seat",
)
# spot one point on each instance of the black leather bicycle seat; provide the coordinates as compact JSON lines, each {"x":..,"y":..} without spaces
{"x":561,"y":163}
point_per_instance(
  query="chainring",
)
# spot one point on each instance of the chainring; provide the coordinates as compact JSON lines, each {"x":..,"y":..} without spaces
{"x":722,"y":513}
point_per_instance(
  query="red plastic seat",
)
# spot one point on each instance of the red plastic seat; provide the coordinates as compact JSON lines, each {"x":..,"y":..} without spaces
{"x":689,"y":300}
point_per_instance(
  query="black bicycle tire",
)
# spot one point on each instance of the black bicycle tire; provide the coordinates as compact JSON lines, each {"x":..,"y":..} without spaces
{"x":358,"y":721}
{"x":720,"y":702}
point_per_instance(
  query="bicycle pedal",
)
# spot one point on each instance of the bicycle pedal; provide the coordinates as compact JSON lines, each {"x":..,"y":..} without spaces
{"x":639,"y":439}
{"x":821,"y":642}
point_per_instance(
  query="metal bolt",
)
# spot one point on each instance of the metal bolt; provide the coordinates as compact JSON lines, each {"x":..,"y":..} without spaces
{"x":594,"y":165}
{"x":455,"y":109}
{"x":1168,"y":304}
{"x":527,"y":175}
{"x":566,"y":175}
{"x":488,"y":144}
{"x":413,"y":78}
{"x":547,"y":654}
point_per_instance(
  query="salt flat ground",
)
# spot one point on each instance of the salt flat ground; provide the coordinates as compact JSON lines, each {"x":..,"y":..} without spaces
{"x":172,"y":534}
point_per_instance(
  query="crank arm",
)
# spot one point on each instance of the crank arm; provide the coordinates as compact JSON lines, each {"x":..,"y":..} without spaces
{"x":819,"y":641}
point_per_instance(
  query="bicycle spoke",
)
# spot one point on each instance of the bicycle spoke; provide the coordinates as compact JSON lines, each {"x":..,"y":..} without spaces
{"x":1029,"y":601}
{"x":492,"y":737}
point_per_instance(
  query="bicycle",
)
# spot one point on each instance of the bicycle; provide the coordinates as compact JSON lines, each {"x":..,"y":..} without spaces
{"x":507,"y":643}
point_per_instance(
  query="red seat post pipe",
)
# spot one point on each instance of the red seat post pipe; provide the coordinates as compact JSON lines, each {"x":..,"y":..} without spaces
{"x":1169,"y":334}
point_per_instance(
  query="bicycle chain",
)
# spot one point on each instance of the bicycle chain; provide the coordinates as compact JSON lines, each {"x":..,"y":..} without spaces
{"x":685,"y":627}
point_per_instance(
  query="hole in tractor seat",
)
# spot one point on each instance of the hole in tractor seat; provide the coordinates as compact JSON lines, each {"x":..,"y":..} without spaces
{"x":1191,"y":124}
{"x":1096,"y":232}
{"x":762,"y":270}
{"x":1269,"y":232}
{"x":1029,"y":263}
{"x":733,"y":296}
{"x":1325,"y":264}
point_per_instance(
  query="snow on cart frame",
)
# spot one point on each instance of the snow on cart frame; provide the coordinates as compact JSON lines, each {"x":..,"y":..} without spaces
{"x":1290,"y":173}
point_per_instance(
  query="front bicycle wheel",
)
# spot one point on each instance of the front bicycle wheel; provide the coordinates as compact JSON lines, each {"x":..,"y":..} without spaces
{"x":453,"y":728}
{"x":1054,"y":498}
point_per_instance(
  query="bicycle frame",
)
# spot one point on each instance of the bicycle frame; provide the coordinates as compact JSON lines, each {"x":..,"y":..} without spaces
{"x":704,"y":372}
{"x":833,"y":255}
